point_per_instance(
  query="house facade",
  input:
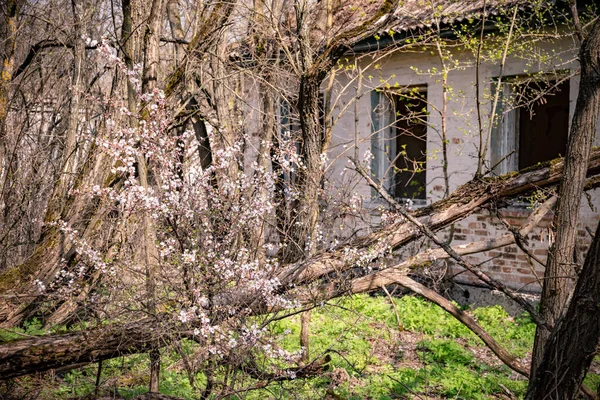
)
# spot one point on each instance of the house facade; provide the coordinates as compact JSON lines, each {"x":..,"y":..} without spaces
{"x":421,"y":117}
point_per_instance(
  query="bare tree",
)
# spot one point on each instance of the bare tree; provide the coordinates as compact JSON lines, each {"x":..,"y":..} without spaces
{"x":551,"y":351}
{"x":561,"y":259}
{"x":160,"y":204}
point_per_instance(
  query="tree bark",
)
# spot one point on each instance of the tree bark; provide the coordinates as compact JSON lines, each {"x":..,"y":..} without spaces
{"x":305,"y":335}
{"x":176,"y":28}
{"x":313,"y":67}
{"x":561,"y":261}
{"x":465,"y":200}
{"x":38,"y":354}
{"x":305,"y":211}
{"x":150,"y":256}
{"x":572,"y":345}
{"x":6,"y":76}
{"x":69,"y":160}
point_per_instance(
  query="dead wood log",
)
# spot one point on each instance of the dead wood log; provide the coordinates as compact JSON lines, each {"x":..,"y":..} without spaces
{"x":21,"y":357}
{"x":461,"y":203}
{"x":37,"y":354}
{"x":485,"y":278}
{"x":386,"y":276}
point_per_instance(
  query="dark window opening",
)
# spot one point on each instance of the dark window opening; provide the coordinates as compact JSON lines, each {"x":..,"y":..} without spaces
{"x":410,"y":130}
{"x":544,"y":125}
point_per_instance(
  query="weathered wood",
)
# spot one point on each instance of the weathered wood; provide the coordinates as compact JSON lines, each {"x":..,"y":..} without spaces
{"x":556,"y":288}
{"x":464,"y":201}
{"x":386,"y":276}
{"x":38,"y":354}
{"x":572,"y":345}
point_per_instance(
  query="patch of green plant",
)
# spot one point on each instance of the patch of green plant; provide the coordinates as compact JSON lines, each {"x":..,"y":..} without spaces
{"x":444,"y":352}
{"x":592,"y":381}
{"x":386,"y":384}
{"x":515,"y":334}
{"x":7,"y":335}
{"x":344,"y":328}
{"x":176,"y":384}
{"x":32,"y":327}
{"x":359,"y":334}
{"x":458,"y":381}
{"x":419,"y":315}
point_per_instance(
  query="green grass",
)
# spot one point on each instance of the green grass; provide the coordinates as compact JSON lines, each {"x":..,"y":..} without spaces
{"x":434,"y":355}
{"x":448,"y":368}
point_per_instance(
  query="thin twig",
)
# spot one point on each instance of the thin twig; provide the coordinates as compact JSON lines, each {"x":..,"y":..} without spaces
{"x":425,"y":230}
{"x":400,"y":326}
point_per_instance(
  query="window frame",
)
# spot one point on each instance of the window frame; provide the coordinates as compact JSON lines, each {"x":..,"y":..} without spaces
{"x":383,"y":138}
{"x":505,"y":134}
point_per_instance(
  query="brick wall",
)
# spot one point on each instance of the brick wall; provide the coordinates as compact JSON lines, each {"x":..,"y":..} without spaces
{"x":510,"y":264}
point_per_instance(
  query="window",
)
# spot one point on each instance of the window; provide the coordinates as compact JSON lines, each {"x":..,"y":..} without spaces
{"x":399,"y":141}
{"x":533,"y":126}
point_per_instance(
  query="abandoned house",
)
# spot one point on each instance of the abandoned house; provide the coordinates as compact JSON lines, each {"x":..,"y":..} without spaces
{"x":402,"y":109}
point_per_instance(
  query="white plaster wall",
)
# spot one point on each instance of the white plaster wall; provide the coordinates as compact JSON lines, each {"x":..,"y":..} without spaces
{"x":462,"y":121}
{"x":507,"y":264}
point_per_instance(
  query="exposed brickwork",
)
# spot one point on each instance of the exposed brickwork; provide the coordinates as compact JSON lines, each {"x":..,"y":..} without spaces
{"x":510,"y":264}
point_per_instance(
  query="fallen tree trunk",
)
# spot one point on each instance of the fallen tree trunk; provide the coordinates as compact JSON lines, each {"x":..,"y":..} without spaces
{"x":464,"y":201}
{"x":38,"y":354}
{"x":389,"y":275}
{"x":21,"y":357}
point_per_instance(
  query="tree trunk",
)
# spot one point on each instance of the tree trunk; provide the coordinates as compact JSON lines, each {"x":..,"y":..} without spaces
{"x":305,"y":211}
{"x":267,"y":52}
{"x":18,"y":289}
{"x":572,"y":345}
{"x":150,"y":256}
{"x":305,"y":335}
{"x":6,"y":76}
{"x":38,"y":354}
{"x":561,"y":261}
{"x":70,"y":305}
{"x":69,"y":159}
{"x":314,"y":67}
{"x":302,"y":240}
{"x":176,"y":28}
